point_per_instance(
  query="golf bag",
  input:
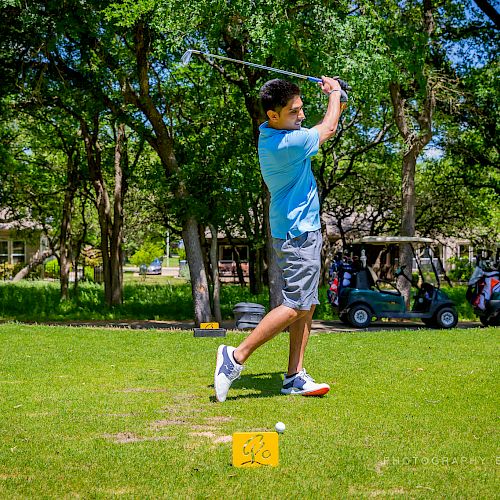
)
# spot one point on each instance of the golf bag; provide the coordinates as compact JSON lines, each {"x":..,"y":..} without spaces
{"x":342,"y":272}
{"x":482,"y":285}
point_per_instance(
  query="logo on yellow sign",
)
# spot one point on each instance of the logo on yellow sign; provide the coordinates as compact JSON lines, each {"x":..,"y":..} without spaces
{"x":209,"y":326}
{"x":253,"y":449}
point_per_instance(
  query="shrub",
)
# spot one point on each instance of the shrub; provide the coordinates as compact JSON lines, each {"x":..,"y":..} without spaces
{"x":40,"y":300}
{"x":462,"y":269}
{"x":147,"y":253}
{"x":6,"y":271}
{"x":52,"y":269}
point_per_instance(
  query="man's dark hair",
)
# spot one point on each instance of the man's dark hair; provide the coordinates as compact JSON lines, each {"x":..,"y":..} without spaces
{"x":275,"y":94}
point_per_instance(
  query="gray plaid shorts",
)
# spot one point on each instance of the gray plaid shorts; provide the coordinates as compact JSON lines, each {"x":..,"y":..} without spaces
{"x":300,"y":262}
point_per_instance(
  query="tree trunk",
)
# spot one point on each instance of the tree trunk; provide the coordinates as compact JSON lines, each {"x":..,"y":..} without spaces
{"x":199,"y":283}
{"x":273,"y":271}
{"x":36,"y":260}
{"x":65,"y":236}
{"x":325,"y":257}
{"x":239,"y":269}
{"x":253,"y":271}
{"x":116,"y":237}
{"x":407,"y":221}
{"x":111,"y":224}
{"x":214,"y":264}
{"x":162,"y":142}
{"x":415,"y":128}
{"x":64,"y":259}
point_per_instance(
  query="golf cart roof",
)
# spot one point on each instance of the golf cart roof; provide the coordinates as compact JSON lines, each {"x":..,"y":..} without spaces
{"x":384,"y":240}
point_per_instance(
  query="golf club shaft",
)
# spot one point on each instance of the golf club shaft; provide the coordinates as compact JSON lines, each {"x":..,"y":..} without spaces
{"x":283,"y":72}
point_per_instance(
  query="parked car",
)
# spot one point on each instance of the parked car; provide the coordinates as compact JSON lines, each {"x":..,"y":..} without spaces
{"x":154,"y":267}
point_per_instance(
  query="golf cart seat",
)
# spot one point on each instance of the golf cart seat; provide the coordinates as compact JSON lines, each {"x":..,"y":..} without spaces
{"x":394,"y":291}
{"x":364,"y":279}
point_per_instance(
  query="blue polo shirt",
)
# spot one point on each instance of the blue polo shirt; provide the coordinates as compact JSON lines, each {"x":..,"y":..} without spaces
{"x":285,"y":163}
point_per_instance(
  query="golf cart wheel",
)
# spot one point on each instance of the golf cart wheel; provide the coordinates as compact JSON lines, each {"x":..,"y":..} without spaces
{"x":360,"y":316}
{"x":446,"y":318}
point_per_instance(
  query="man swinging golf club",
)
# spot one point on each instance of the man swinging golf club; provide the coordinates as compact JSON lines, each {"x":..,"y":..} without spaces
{"x":285,"y":150}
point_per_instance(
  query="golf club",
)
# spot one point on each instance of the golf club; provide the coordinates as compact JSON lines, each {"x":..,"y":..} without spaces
{"x":189,"y":53}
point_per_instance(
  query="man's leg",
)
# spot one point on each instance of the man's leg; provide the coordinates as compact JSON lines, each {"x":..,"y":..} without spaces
{"x":297,"y":380}
{"x":273,"y":323}
{"x":230,"y":360}
{"x":299,"y":335}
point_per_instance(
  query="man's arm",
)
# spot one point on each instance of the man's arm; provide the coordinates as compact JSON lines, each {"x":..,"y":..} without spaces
{"x":328,"y":125}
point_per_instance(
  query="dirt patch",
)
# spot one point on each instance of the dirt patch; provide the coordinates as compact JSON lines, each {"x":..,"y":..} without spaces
{"x":223,"y":439}
{"x":180,"y":398}
{"x":130,"y":437}
{"x":120,"y":414}
{"x":10,"y":476}
{"x":377,"y":493}
{"x":143,"y":389}
{"x":202,"y":428}
{"x":207,"y":434}
{"x":119,"y":492}
{"x":123,"y":437}
{"x":217,"y":420}
{"x":166,"y":422}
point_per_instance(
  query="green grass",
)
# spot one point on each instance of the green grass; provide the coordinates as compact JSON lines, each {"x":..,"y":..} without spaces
{"x":410,"y":415}
{"x":155,"y":297}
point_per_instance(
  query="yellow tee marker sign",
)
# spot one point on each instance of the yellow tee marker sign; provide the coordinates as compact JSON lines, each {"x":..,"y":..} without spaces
{"x":253,"y":449}
{"x":209,"y":326}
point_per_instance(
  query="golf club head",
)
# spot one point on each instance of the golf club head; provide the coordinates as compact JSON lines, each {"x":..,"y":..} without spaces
{"x":186,"y":57}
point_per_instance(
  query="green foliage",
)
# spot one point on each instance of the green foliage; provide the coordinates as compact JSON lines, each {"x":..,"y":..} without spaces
{"x":461,"y":269}
{"x":181,"y":252}
{"x":148,"y":251}
{"x":457,"y":294}
{"x":6,"y":271}
{"x":79,"y":63}
{"x":161,"y":299}
{"x":52,"y":269}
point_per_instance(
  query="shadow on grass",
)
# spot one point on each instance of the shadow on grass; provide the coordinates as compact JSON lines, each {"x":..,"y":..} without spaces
{"x":267,"y":385}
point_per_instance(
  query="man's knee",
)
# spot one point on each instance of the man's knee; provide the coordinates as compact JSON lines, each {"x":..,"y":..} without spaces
{"x":300,"y":313}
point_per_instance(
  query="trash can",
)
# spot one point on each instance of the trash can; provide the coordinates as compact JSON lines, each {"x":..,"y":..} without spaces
{"x":183,"y":269}
{"x":248,"y":314}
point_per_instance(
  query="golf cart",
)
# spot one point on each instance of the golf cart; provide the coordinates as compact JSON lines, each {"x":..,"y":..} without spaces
{"x":360,"y":295}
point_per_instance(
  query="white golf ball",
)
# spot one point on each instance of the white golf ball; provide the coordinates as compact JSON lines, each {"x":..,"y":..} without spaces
{"x":280,"y":427}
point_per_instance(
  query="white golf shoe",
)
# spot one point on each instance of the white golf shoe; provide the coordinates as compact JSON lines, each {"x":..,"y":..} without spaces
{"x":304,"y":385}
{"x":227,"y":370}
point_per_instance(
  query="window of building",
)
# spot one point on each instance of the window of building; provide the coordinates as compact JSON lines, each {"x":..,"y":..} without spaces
{"x":226,"y":253}
{"x":463,"y":251}
{"x":4,"y":251}
{"x":18,"y":252}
